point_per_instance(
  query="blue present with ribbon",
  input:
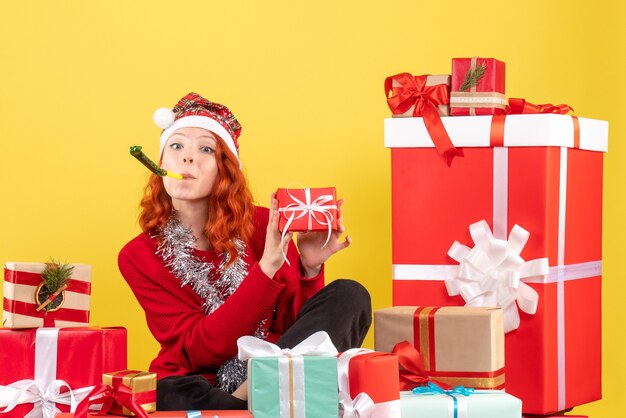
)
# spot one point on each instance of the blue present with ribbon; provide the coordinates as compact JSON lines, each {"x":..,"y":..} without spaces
{"x":291,"y":383}
{"x":433,"y":401}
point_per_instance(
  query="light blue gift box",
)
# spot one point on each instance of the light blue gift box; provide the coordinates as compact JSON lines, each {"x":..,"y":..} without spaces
{"x":300,"y":382}
{"x":479,"y":404}
{"x":276,"y":389}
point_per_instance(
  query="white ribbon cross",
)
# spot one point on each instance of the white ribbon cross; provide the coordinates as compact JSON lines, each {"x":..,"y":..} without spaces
{"x":493,"y":273}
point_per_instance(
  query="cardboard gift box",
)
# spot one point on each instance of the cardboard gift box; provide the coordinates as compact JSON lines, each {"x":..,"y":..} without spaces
{"x":179,"y":414}
{"x":368,"y":381}
{"x":301,"y":381}
{"x":405,"y":91}
{"x":55,"y":361}
{"x":477,"y":87}
{"x":477,"y":404}
{"x":22,"y":285}
{"x":458,"y":345}
{"x":542,"y":172}
{"x":313,"y":209}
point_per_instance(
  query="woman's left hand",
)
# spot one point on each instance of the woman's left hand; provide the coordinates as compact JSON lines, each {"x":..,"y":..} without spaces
{"x":312,"y":254}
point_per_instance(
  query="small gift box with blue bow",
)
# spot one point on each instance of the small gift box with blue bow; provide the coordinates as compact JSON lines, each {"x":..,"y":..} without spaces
{"x":432,"y":401}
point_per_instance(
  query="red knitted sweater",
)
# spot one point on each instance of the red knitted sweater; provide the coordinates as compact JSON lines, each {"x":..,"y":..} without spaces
{"x":193,"y":342}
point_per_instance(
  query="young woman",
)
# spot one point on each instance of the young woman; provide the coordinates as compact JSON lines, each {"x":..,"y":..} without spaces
{"x":209,"y":267}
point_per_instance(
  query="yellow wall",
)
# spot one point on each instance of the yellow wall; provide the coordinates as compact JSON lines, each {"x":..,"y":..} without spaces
{"x":79,"y":82}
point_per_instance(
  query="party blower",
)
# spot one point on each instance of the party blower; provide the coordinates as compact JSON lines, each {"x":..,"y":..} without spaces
{"x":136,"y":152}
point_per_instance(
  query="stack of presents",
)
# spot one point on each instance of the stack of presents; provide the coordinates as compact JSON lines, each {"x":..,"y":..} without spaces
{"x":496,"y":251}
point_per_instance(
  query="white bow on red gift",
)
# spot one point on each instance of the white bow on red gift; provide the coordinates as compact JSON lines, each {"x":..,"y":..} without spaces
{"x":492,"y":273}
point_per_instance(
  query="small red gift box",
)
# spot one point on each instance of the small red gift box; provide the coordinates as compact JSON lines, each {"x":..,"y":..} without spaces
{"x":477,"y":87}
{"x":23,"y":286}
{"x":545,"y":176}
{"x":34,"y":361}
{"x":180,"y":414}
{"x":368,"y":377}
{"x":313,"y":209}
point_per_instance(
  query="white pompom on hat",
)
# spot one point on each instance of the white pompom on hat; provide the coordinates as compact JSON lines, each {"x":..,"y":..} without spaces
{"x":194,"y":111}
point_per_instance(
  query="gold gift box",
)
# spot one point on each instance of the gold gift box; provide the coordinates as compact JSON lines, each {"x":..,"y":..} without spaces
{"x":467,"y":345}
{"x":139,"y":382}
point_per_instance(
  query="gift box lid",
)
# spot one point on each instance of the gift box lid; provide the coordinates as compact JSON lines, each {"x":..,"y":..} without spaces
{"x":526,"y":130}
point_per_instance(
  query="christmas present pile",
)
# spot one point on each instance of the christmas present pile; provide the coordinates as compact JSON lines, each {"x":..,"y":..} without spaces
{"x":45,"y":337}
{"x":513,"y":220}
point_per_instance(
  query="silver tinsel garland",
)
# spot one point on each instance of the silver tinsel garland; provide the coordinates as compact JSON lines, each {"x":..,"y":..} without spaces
{"x":176,"y":250}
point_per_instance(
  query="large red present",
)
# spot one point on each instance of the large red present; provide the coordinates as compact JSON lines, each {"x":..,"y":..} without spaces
{"x":547,"y":179}
{"x":313,"y":209}
{"x":477,"y":87}
{"x":179,"y":414}
{"x":23,"y":295}
{"x":368,"y":384}
{"x":47,"y":366}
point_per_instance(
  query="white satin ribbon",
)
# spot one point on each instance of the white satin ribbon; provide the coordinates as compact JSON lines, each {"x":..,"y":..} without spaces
{"x":315,"y":210}
{"x":317,"y":344}
{"x":44,"y":390}
{"x":493,"y":273}
{"x":290,"y":366}
{"x":362,"y":406}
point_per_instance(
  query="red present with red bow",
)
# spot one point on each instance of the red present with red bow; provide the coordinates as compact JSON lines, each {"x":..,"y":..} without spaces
{"x":24,"y":298}
{"x":368,"y":384}
{"x":477,"y":87}
{"x":313,"y":209}
{"x":543,"y":173}
{"x":52,"y":369}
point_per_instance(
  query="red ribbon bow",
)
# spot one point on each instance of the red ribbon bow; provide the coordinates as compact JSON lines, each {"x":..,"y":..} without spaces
{"x":119,"y":394}
{"x":413,"y":374}
{"x":521,"y":106}
{"x":414,"y":92}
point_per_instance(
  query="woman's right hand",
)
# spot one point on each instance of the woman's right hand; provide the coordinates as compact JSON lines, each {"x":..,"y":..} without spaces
{"x":272,"y":258}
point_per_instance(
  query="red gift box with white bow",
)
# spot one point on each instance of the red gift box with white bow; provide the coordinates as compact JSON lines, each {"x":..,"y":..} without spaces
{"x":368,"y":384}
{"x":517,"y":223}
{"x":49,"y":370}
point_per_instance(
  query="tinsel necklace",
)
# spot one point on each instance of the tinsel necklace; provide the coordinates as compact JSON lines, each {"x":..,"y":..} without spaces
{"x":176,"y":251}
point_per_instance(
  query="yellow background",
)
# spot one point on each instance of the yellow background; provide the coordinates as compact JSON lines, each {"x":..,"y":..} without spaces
{"x":79,"y":81}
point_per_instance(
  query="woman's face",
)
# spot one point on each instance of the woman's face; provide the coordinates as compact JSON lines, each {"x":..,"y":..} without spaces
{"x":190,"y":152}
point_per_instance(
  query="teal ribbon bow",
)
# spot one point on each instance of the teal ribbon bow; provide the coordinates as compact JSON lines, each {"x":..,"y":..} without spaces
{"x":434,"y":389}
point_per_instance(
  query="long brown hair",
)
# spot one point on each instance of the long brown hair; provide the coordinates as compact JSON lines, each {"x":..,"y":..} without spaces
{"x":230,"y":204}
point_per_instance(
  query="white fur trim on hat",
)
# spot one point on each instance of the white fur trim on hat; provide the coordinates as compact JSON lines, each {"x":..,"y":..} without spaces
{"x":196,"y":121}
{"x":163,"y":117}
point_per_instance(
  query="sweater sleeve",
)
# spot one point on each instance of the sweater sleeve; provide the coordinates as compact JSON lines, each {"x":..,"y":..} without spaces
{"x":174,"y":314}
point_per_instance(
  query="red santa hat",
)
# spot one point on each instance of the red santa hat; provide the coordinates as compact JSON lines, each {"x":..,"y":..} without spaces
{"x":194,"y":111}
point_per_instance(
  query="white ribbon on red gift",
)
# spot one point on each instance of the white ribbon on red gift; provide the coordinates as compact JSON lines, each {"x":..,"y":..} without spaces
{"x":290,"y":366}
{"x":493,"y":273}
{"x":558,"y":274}
{"x":44,"y":390}
{"x":313,"y":209}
